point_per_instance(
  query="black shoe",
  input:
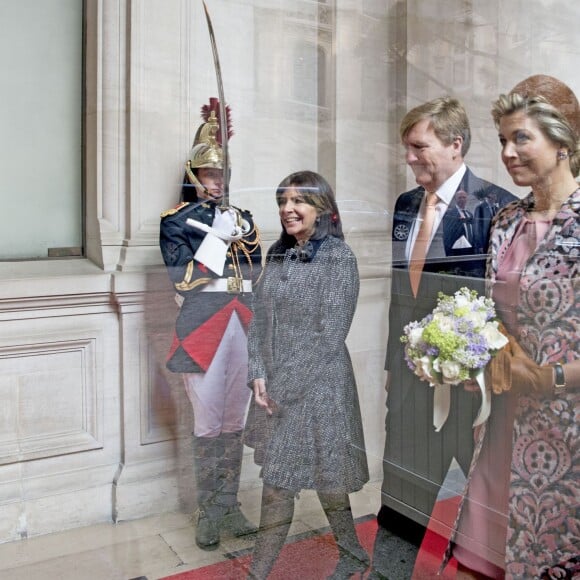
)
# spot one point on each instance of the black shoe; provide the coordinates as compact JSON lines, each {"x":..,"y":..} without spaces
{"x":235,"y":522}
{"x":207,"y":535}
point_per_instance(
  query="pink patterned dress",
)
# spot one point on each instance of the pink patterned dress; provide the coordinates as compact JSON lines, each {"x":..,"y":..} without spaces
{"x":520,"y":515}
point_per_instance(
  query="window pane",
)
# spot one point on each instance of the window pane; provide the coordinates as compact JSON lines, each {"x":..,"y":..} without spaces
{"x":40,"y":127}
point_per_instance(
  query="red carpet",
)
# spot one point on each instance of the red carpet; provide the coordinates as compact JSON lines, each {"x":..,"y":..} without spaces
{"x":435,"y":542}
{"x":310,"y":558}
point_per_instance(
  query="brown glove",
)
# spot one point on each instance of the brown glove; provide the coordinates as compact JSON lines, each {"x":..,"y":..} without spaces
{"x":512,"y":368}
{"x":498,"y":372}
{"x":527,"y":376}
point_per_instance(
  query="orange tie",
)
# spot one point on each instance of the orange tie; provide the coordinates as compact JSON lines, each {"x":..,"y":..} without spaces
{"x":422,"y":241}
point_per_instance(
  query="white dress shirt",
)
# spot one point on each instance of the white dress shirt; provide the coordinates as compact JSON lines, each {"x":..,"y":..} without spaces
{"x":445,"y":194}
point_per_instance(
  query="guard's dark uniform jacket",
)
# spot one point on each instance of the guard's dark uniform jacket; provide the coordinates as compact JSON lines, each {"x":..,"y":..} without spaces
{"x":204,"y":316}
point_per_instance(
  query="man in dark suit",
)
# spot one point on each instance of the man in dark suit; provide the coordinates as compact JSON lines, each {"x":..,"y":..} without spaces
{"x":436,"y":137}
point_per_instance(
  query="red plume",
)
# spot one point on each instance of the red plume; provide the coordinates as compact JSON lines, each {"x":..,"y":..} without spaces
{"x":214,"y":105}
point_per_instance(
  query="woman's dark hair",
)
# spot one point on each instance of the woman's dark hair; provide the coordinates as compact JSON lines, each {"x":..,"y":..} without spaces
{"x":317,"y":192}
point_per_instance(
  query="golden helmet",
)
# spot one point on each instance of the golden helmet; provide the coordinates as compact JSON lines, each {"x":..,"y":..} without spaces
{"x":206,"y":151}
{"x":207,"y":148}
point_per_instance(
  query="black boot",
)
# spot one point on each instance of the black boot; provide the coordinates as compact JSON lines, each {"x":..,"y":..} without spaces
{"x":352,"y":558}
{"x":229,"y":467}
{"x":207,"y":535}
{"x":275,"y":519}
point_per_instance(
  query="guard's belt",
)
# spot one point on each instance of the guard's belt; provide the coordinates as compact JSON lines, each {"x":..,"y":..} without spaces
{"x":230,"y":285}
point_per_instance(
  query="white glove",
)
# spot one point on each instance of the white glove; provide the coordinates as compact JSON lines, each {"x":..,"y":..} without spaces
{"x":212,"y":253}
{"x":226,"y":223}
{"x":214,"y":246}
{"x":225,"y":229}
{"x":225,"y":226}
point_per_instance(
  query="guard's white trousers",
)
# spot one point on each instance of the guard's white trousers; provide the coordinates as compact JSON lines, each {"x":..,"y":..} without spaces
{"x":220,"y":397}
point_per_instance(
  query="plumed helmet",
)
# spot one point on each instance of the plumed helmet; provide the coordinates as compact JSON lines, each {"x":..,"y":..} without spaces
{"x":207,"y":149}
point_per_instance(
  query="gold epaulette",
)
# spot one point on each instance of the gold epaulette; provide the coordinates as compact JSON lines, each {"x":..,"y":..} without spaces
{"x":174,"y":210}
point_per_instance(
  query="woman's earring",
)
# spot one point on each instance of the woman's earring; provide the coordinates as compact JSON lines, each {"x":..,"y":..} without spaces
{"x":562,"y":155}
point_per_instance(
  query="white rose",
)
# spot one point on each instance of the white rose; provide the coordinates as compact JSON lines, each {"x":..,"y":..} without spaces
{"x":461,"y":300}
{"x":495,"y":339}
{"x":424,"y":369}
{"x":477,"y":317}
{"x":445,"y":323}
{"x":415,"y":336}
{"x":450,"y":371}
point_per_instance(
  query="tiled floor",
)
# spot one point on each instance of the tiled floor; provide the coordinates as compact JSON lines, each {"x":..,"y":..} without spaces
{"x":152,"y":547}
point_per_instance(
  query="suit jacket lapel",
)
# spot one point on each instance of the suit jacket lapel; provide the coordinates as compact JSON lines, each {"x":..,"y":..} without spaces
{"x":470,"y":184}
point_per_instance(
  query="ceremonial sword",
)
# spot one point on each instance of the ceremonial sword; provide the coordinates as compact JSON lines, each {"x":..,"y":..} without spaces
{"x":222,"y":112}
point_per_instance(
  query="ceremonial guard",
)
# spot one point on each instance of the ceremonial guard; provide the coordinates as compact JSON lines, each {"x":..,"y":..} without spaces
{"x":213,"y":256}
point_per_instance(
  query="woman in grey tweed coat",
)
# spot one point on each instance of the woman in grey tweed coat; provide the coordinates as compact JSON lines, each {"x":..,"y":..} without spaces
{"x":306,"y":425}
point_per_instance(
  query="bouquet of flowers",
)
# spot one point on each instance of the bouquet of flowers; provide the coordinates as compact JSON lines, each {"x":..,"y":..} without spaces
{"x":453,"y":344}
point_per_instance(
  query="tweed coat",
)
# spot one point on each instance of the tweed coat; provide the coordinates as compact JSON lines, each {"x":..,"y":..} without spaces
{"x":303,"y":311}
{"x":543,"y":534}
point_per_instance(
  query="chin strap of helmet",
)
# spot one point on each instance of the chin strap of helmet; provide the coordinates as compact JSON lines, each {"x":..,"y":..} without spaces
{"x":194,"y":180}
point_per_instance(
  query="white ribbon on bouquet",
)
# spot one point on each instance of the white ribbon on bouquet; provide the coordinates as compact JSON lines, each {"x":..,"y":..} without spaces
{"x":442,"y":403}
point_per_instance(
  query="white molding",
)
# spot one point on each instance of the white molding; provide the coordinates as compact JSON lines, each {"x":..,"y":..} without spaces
{"x":86,"y":434}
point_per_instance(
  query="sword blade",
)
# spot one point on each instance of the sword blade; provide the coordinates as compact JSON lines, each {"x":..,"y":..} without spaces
{"x":223,"y":113}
